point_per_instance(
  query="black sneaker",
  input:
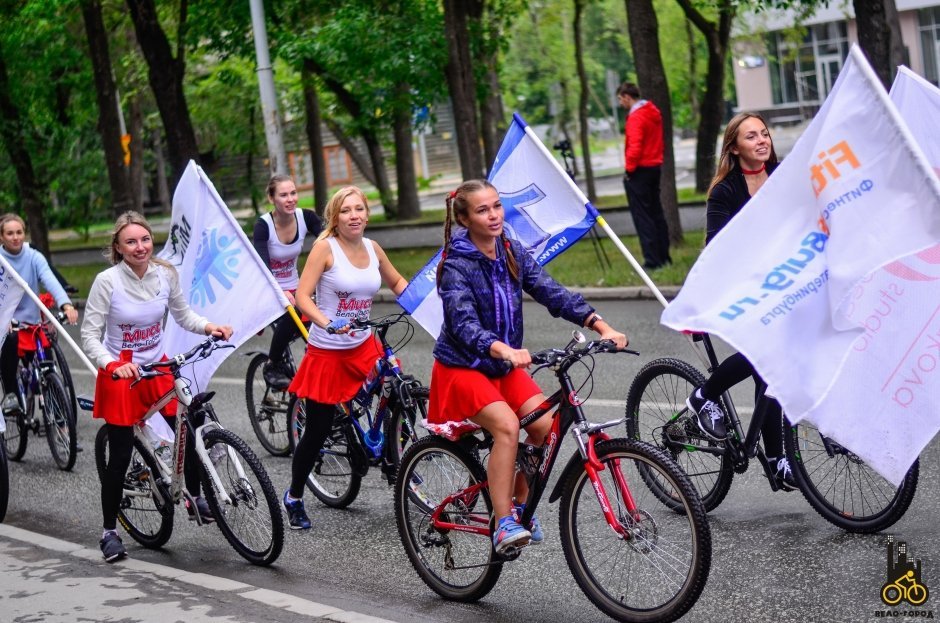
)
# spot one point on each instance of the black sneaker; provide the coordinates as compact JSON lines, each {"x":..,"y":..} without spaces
{"x":783,"y":473}
{"x":710,"y":417}
{"x":275,"y":377}
{"x":112,"y":548}
{"x":296,"y":514}
{"x":202,"y":507}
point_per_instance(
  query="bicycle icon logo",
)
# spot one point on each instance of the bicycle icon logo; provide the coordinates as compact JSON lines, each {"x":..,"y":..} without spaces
{"x":904,"y":581}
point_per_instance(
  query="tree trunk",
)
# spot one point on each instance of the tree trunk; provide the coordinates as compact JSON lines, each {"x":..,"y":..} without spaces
{"x":136,"y":170}
{"x":166,"y":80}
{"x":377,"y":158}
{"x":583,"y":100}
{"x":347,"y":143}
{"x":13,"y":132}
{"x":462,"y":86}
{"x":163,"y":182}
{"x":492,"y":126}
{"x":109,"y":124}
{"x":879,"y":36}
{"x":315,"y":138}
{"x":651,"y":76}
{"x":409,"y":207}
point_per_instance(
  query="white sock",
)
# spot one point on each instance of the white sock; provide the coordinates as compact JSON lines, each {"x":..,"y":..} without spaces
{"x":107,"y":532}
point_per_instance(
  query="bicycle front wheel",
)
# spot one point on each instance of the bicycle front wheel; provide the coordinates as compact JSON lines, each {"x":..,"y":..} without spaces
{"x":657,"y":414}
{"x":59,"y":422}
{"x":404,"y":423}
{"x":4,"y":479}
{"x":267,"y":409}
{"x":62,"y":367}
{"x":16,"y":436}
{"x":841,"y":487}
{"x":457,"y":565}
{"x":657,"y":569}
{"x":146,"y":510}
{"x":251,"y":520}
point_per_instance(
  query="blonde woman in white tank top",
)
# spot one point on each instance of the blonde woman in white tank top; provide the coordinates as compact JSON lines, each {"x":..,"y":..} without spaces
{"x":345,"y":269}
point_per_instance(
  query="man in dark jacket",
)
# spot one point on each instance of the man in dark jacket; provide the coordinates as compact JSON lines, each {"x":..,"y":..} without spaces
{"x":643,"y":151}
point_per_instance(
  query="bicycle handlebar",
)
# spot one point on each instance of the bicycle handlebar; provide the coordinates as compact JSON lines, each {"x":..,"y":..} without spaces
{"x":571,"y":353}
{"x":359,"y":324}
{"x":197,"y":352}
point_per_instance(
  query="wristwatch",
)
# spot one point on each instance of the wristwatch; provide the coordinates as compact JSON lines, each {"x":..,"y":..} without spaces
{"x":593,"y":320}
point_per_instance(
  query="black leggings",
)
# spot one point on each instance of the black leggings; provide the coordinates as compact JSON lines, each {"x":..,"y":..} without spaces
{"x":729,"y":373}
{"x":120,"y":447}
{"x":284,"y":331}
{"x":8,"y":361}
{"x":319,"y":424}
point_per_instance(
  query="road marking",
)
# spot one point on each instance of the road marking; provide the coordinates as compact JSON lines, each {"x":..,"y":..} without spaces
{"x":275,"y":599}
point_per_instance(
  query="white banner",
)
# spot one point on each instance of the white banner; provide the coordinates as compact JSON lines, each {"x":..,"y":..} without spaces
{"x":10,"y":294}
{"x":220,"y":273}
{"x":854,"y":194}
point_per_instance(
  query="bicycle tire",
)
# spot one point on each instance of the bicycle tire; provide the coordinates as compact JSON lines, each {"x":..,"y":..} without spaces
{"x":841,"y":487}
{"x":336,"y":477}
{"x":62,"y":367}
{"x":267,"y":409}
{"x":252,"y":522}
{"x":640,"y":563}
{"x":4,"y":479}
{"x":146,"y":510}
{"x":656,"y":405}
{"x":59,"y":421}
{"x":402,"y":425}
{"x":16,"y":437}
{"x":432,"y":469}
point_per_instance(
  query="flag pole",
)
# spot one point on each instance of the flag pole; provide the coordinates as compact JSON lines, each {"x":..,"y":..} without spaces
{"x":300,"y":325}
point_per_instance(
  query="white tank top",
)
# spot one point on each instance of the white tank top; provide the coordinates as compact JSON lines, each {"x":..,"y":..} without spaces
{"x":136,"y":326}
{"x":283,"y":257}
{"x":345,"y":291}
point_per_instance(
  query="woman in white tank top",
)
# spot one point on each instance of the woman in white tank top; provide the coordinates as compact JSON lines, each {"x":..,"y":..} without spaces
{"x":346,"y":270}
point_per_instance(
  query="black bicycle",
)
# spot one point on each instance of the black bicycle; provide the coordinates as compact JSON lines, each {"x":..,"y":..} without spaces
{"x":637,"y":556}
{"x":835,"y":481}
{"x":374,"y":428}
{"x":4,"y":473}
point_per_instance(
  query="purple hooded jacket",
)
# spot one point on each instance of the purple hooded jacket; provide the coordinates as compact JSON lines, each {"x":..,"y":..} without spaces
{"x":483,"y":304}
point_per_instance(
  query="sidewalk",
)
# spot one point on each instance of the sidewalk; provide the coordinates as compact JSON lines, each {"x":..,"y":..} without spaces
{"x":54,"y":581}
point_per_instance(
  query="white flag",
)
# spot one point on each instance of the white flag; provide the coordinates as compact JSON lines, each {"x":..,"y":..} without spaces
{"x":10,"y":294}
{"x":885,"y":403}
{"x":221,"y":275}
{"x":854,"y":194}
{"x":544,"y":209}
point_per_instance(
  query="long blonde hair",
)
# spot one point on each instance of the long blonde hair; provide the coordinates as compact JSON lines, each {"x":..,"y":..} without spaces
{"x":331,"y":214}
{"x":129,"y":218}
{"x":729,"y":161}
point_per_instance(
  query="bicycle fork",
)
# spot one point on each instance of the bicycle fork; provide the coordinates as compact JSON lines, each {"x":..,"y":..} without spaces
{"x":593,"y":466}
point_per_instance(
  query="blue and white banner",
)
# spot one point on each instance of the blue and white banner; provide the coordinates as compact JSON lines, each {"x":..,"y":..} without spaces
{"x":779,"y":282}
{"x":544,"y":209}
{"x":220,"y":273}
{"x":10,"y":294}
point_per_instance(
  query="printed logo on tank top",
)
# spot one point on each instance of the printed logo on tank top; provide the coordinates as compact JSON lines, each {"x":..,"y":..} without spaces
{"x":282,"y":268}
{"x":141,"y":339}
{"x":351,"y":307}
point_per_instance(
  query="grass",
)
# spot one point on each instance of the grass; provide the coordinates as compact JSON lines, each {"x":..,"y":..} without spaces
{"x":577,"y":267}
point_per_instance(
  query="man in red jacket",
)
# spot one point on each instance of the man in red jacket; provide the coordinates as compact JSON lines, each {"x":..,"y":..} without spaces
{"x":643,"y":150}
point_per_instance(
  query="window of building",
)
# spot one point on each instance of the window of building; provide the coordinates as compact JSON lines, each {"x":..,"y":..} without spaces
{"x":804,"y":73}
{"x":929,"y":30}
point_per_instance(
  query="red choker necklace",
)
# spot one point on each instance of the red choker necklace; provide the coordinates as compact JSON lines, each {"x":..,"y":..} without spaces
{"x":755,"y":171}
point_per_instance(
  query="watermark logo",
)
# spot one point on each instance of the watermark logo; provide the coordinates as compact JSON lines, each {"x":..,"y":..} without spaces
{"x":904,"y":584}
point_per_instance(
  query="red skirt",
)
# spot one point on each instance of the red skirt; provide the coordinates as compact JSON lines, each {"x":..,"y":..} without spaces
{"x":460,"y":393}
{"x":116,"y":402}
{"x":330,"y":376}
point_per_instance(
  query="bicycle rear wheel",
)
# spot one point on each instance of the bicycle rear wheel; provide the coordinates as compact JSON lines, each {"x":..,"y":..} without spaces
{"x":62,"y":367}
{"x":657,"y":414}
{"x":267,"y":409}
{"x":658,"y":568}
{"x":403,"y":425}
{"x":457,"y":565}
{"x":841,"y":487}
{"x":337,"y":473}
{"x":146,"y":510}
{"x":251,"y":521}
{"x":59,"y":421}
{"x":4,"y":479}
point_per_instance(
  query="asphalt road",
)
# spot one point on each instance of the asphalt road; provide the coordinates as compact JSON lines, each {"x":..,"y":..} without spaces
{"x":774,"y":558}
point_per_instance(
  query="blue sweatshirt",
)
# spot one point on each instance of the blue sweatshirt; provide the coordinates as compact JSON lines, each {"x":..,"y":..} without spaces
{"x":33,"y":268}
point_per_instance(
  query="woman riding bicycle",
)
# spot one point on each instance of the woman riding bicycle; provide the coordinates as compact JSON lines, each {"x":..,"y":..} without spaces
{"x":279,"y":238}
{"x":478,"y":359}
{"x":127,"y":303}
{"x":345,"y":269}
{"x":33,"y":268}
{"x":747,"y":159}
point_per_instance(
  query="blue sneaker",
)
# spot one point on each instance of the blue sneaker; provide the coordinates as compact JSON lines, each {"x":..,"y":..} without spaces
{"x":535,"y":527}
{"x":296,"y":514}
{"x":508,"y":534}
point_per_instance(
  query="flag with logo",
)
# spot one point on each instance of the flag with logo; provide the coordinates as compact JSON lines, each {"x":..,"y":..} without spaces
{"x":10,"y":294}
{"x":544,"y":209}
{"x":221,"y":275}
{"x":887,"y":395}
{"x":854,"y":194}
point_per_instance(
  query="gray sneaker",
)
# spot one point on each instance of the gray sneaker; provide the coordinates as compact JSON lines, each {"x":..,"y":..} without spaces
{"x":111,"y":547}
{"x":11,"y":404}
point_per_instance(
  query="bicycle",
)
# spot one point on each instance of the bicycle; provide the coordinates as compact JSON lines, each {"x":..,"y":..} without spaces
{"x":637,"y":557}
{"x":37,"y":377}
{"x":236,"y":485}
{"x":373,"y":429}
{"x":835,"y":481}
{"x":268,"y":406}
{"x":57,"y":354}
{"x":4,"y":473}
